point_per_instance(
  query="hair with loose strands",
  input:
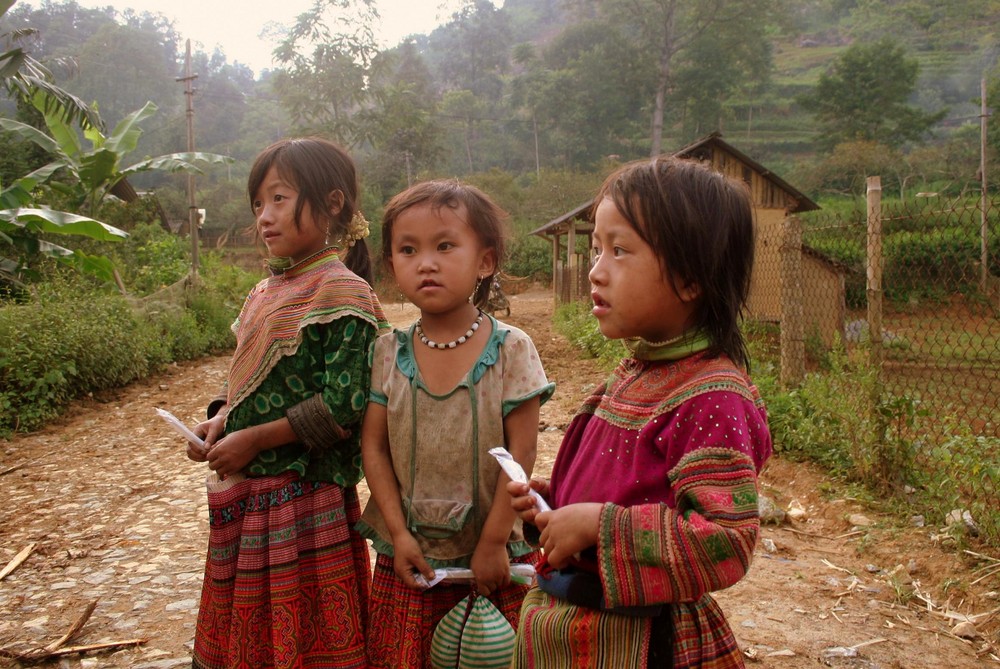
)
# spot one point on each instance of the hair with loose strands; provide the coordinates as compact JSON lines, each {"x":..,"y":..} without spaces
{"x":316,"y":168}
{"x":483,"y":215}
{"x":699,"y":223}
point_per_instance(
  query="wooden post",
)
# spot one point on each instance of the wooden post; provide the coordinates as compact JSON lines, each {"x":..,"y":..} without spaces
{"x":188,"y":80}
{"x":874,"y":274}
{"x":556,"y":283}
{"x":571,"y":263}
{"x":793,"y":348}
{"x":984,"y":261}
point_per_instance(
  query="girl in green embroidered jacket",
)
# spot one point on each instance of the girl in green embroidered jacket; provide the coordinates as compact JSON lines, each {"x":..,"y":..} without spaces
{"x":287,"y":577}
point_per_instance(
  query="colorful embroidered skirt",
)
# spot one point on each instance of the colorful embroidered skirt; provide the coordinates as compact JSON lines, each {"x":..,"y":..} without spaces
{"x":286,"y":580}
{"x":556,"y":634}
{"x":403,"y":619}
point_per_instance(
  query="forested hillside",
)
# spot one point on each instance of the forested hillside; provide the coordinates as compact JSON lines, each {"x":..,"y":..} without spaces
{"x":547,"y":85}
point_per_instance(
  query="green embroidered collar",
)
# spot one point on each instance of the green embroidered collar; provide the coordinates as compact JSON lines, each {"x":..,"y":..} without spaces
{"x":688,"y":343}
{"x":280,"y":265}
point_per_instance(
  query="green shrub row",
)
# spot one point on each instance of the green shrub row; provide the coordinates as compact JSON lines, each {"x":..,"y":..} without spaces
{"x":926,"y":263}
{"x":66,"y":342}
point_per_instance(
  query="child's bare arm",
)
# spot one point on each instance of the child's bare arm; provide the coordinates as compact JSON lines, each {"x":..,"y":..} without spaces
{"x":490,"y":562}
{"x":381,"y":478}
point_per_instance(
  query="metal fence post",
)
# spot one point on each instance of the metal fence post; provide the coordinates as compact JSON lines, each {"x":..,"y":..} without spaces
{"x":793,"y":349}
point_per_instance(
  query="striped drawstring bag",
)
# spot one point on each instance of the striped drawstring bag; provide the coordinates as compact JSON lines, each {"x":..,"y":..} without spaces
{"x":473,"y":635}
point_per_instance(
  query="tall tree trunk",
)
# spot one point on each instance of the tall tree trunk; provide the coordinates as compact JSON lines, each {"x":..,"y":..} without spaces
{"x":664,"y":81}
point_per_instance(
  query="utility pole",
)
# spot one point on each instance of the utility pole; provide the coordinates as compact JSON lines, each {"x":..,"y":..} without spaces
{"x":188,"y":80}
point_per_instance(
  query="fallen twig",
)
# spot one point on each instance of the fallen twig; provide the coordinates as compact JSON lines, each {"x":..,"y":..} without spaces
{"x":868,"y":643}
{"x":808,"y":534}
{"x":69,"y":650}
{"x":74,"y":628}
{"x":14,"y":468}
{"x":850,"y":534}
{"x":982,"y":557}
{"x":17,"y":560}
{"x":993,"y":571}
{"x":41,"y":653}
{"x":833,"y":566}
{"x":11,"y":469}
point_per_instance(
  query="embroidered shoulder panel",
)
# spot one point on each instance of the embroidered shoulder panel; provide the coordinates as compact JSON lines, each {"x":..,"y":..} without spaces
{"x":638,"y":391}
{"x":280,"y":307}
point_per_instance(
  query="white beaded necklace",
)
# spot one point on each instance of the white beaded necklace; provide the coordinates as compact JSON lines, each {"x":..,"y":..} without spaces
{"x":452,"y":344}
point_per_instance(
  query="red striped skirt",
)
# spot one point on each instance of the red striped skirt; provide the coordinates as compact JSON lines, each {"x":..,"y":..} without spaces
{"x":286,"y":580}
{"x":403,"y":619}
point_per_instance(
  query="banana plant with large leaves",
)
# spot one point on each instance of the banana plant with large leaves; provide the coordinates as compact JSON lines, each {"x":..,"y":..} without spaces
{"x":83,"y":176}
{"x":22,"y":228}
{"x":86,"y":174}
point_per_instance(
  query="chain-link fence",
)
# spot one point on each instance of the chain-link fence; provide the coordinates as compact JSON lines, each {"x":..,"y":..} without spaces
{"x":897,"y":307}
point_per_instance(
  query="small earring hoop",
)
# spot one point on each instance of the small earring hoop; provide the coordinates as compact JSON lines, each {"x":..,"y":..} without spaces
{"x":472,"y":298}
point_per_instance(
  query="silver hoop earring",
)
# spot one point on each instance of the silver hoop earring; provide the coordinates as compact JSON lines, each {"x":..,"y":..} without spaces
{"x":472,"y":298}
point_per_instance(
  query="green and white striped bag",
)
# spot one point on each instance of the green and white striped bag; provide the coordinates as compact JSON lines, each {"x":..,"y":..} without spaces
{"x":473,"y":635}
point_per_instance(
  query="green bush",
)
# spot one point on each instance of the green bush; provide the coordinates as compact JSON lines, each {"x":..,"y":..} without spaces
{"x":529,"y":256}
{"x":575,"y":322}
{"x":59,"y":349}
{"x":151,"y":258}
{"x":68,"y":341}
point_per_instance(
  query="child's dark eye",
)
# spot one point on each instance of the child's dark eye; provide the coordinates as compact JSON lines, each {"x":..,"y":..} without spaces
{"x":444,"y":246}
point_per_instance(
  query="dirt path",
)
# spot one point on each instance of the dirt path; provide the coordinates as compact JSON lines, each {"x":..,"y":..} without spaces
{"x":117,"y":514}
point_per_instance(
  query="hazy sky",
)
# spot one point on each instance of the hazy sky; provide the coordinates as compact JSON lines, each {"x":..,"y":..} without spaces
{"x":234,"y":25}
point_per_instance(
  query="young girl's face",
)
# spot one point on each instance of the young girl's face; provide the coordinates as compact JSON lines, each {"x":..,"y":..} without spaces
{"x":437,"y":257}
{"x":632,"y":297}
{"x":274,"y":206}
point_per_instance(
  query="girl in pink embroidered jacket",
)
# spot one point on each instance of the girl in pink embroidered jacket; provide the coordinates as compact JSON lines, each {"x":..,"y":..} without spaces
{"x":654,"y":489}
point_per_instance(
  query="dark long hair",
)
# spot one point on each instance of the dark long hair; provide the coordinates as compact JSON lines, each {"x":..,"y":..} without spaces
{"x":700,"y":225}
{"x":317,"y":167}
{"x":485,"y":217}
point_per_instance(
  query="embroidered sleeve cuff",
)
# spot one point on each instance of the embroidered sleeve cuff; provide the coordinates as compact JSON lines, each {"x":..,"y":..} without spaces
{"x":312,"y":422}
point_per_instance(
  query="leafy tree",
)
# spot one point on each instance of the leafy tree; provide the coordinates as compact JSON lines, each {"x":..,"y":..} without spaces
{"x":402,"y":126}
{"x":326,"y":55}
{"x":465,"y":111}
{"x":863,"y":97}
{"x":717,"y":64}
{"x":473,"y":50}
{"x":846,"y":169}
{"x":669,"y":28}
{"x":121,"y":67}
{"x":589,"y":96}
{"x":21,"y":76}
